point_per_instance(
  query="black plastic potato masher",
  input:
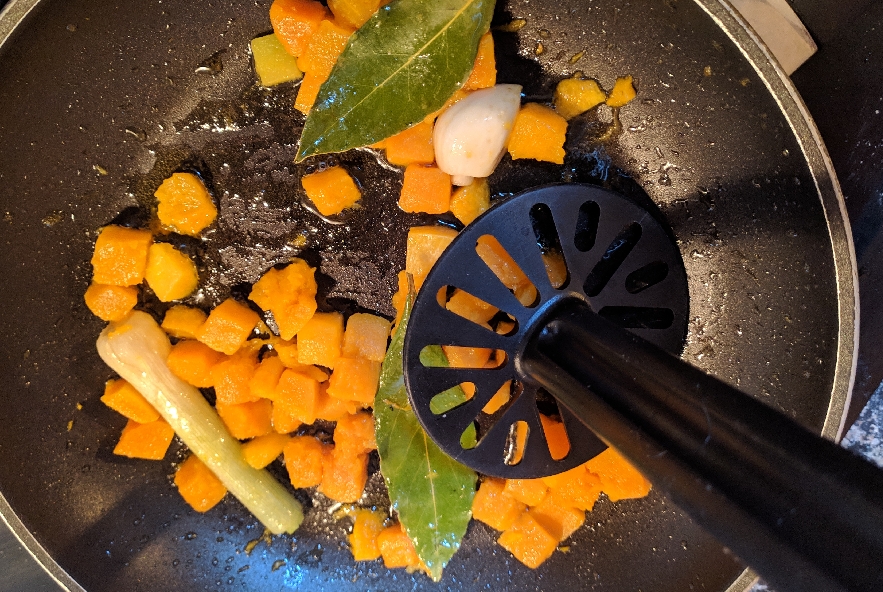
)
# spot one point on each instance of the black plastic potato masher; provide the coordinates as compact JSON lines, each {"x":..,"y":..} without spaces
{"x":595,"y":340}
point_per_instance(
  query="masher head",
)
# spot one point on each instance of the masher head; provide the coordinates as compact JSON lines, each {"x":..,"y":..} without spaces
{"x":493,"y":287}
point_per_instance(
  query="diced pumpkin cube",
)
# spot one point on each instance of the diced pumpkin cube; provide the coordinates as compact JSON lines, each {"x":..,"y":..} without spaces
{"x":272,"y":62}
{"x":365,"y":337}
{"x":470,"y":201}
{"x":294,"y":22}
{"x":228,"y":326}
{"x":263,"y":450}
{"x":467,"y":357}
{"x":111,"y":303}
{"x":320,"y":339}
{"x":505,"y":268}
{"x":170,"y":273}
{"x":353,"y":13}
{"x":185,"y":205}
{"x":305,"y":459}
{"x":354,"y":379}
{"x":363,"y":539}
{"x":263,"y":382}
{"x":425,"y":189}
{"x":332,"y":409}
{"x":574,"y":96}
{"x":556,"y":268}
{"x":284,"y":421}
{"x":309,"y":90}
{"x":192,"y":362}
{"x":324,"y":47}
{"x":528,"y":541}
{"x":577,"y":488}
{"x":400,"y":297}
{"x":559,"y":521}
{"x":354,"y":434}
{"x":469,"y":307}
{"x":458,"y":95}
{"x":247,"y":420}
{"x":622,"y":93}
{"x":411,"y":146}
{"x":120,"y":256}
{"x":500,"y":398}
{"x":556,"y":437}
{"x":619,"y":479}
{"x":332,"y":190}
{"x":425,"y":246}
{"x":183,"y":321}
{"x":123,"y":398}
{"x":484,"y":71}
{"x":345,"y":475}
{"x":145,"y":440}
{"x":297,"y":395}
{"x":538,"y":133}
{"x":289,"y":293}
{"x":198,"y":485}
{"x":231,"y":378}
{"x":288,"y":354}
{"x":531,"y":492}
{"x":493,"y":507}
{"x":396,"y":548}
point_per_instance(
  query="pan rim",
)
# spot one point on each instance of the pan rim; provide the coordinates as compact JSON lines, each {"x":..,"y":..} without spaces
{"x":802,"y":125}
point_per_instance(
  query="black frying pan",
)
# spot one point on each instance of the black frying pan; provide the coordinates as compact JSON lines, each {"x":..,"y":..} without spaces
{"x":93,"y":87}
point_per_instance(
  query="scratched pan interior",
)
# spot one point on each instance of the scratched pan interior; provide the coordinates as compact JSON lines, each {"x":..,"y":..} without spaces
{"x":100,"y":100}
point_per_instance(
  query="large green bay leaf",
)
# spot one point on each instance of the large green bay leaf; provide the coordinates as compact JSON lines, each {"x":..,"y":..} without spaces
{"x":403,"y":64}
{"x":431,"y":492}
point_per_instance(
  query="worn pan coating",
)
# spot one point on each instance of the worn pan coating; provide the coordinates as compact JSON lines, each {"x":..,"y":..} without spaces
{"x":100,"y":100}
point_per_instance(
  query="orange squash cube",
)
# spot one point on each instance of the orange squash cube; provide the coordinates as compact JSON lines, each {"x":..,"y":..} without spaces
{"x":185,"y":205}
{"x":284,"y":422}
{"x":559,"y":521}
{"x":170,"y":273}
{"x":425,"y":246}
{"x":425,"y":189}
{"x":354,"y":379}
{"x":228,"y":326}
{"x":120,"y":256}
{"x":528,"y":541}
{"x":263,"y":450}
{"x":538,"y":133}
{"x":467,"y":357}
{"x":324,"y":47}
{"x":198,"y":485}
{"x":470,"y":201}
{"x":344,"y":476}
{"x":320,"y":339}
{"x":123,"y":398}
{"x":622,"y":93}
{"x":332,"y":190}
{"x":574,"y":96}
{"x":411,"y":146}
{"x":309,"y":90}
{"x":469,"y":307}
{"x":354,"y":434}
{"x":332,"y":409}
{"x":484,"y":71}
{"x":183,"y":321}
{"x":294,"y":22}
{"x":192,"y":362}
{"x":297,"y":395}
{"x":363,"y":539}
{"x":531,"y":492}
{"x":305,"y":460}
{"x":396,"y":548}
{"x":576,"y":488}
{"x":263,"y":382}
{"x":247,"y":420}
{"x":500,"y":398}
{"x":556,"y":437}
{"x":619,"y":479}
{"x":111,"y":303}
{"x":231,"y":378}
{"x":365,"y":337}
{"x":353,"y":13}
{"x":495,"y":508}
{"x":289,"y":293}
{"x":505,"y":268}
{"x":145,"y":440}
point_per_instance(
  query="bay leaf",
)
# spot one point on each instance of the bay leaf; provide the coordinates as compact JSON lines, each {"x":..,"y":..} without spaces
{"x":431,"y":492}
{"x":400,"y":66}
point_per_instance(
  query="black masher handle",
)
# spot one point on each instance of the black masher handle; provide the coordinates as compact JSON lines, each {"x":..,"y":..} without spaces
{"x":806,"y":514}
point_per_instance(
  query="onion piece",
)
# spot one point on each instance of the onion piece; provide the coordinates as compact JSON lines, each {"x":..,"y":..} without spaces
{"x":470,"y":136}
{"x":136,"y":348}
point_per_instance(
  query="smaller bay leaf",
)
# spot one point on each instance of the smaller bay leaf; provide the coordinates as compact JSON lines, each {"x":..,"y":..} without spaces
{"x":400,"y":66}
{"x":431,"y":492}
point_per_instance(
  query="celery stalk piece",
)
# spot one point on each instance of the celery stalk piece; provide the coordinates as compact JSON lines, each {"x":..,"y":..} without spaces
{"x":136,"y":348}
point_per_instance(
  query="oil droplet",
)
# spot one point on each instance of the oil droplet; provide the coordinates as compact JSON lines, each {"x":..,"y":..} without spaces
{"x":53,"y":218}
{"x":99,"y":169}
{"x":706,"y":71}
{"x":70,"y":425}
{"x":665,"y":180}
{"x":577,"y":57}
{"x":212,"y":64}
{"x":744,"y":82}
{"x":513,"y":26}
{"x":540,"y":50}
{"x":71,"y":27}
{"x":190,"y":536}
{"x":277,"y":564}
{"x":7,"y":217}
{"x":544,"y":33}
{"x":176,"y":563}
{"x":138,"y":133}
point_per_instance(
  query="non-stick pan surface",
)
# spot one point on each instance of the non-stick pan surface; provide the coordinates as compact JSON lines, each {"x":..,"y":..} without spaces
{"x":100,"y":100}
